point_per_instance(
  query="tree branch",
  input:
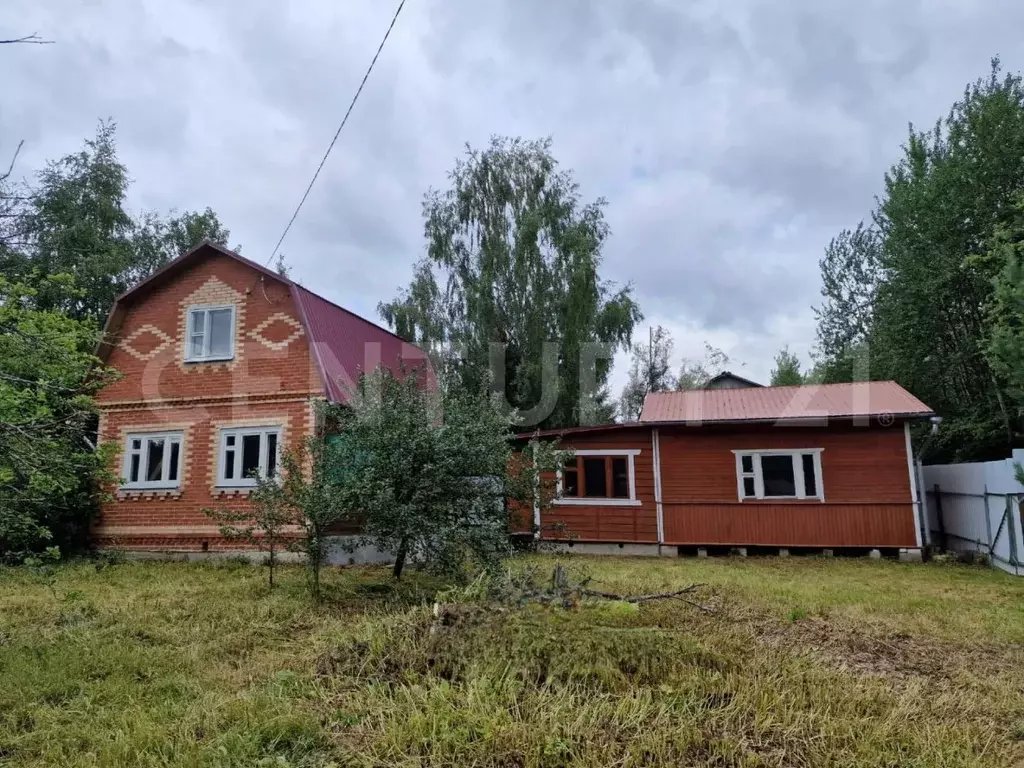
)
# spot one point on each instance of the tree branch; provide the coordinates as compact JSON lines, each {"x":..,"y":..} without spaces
{"x":677,"y":595}
{"x":32,"y":39}
{"x":10,"y":168}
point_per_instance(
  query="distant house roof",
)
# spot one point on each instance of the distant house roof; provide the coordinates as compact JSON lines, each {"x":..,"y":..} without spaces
{"x":343,"y":344}
{"x":721,"y":381}
{"x":805,"y":402}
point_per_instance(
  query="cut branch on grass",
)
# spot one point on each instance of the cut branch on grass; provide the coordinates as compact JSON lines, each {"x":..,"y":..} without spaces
{"x":677,"y":595}
{"x":520,"y":589}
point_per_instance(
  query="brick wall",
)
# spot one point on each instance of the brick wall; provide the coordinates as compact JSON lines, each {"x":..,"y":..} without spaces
{"x":271,"y":380}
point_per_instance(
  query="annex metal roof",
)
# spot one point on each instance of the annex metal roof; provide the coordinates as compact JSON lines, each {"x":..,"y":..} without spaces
{"x":797,"y":403}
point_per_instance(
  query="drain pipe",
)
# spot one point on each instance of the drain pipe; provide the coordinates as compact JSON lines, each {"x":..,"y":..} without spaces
{"x":936,"y":422}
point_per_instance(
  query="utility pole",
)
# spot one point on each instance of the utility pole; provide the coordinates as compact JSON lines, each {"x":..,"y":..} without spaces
{"x":650,"y":358}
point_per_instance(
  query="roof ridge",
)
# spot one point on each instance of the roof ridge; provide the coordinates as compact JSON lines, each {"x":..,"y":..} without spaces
{"x":777,"y":386}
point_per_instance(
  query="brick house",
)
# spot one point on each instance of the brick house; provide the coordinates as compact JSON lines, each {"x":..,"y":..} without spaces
{"x":222,"y":363}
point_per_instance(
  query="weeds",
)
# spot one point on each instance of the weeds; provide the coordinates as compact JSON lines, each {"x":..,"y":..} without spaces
{"x":803,"y":663}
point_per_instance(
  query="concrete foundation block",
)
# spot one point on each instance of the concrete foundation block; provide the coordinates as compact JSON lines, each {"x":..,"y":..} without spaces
{"x":666,"y":551}
{"x":701,"y":552}
{"x":875,"y":554}
{"x":741,"y":551}
{"x":783,"y":553}
{"x":181,"y":556}
{"x":910,"y":556}
{"x":344,"y":550}
{"x":827,"y":553}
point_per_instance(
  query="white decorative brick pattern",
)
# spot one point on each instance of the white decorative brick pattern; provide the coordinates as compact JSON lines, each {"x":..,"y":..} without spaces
{"x":278,"y":317}
{"x":212,"y":293}
{"x":165,"y":342}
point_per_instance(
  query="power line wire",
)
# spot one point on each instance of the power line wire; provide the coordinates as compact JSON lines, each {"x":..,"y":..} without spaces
{"x":338,"y":132}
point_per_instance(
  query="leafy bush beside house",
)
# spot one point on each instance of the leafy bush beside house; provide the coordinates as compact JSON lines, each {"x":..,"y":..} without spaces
{"x":50,"y":472}
{"x":429,"y":474}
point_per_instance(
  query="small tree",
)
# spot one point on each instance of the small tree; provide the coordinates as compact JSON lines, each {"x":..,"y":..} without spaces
{"x":309,"y":483}
{"x":694,"y":374}
{"x":292,"y":511}
{"x":787,"y":369}
{"x":270,"y":526}
{"x":431,"y":479}
{"x":650,"y":371}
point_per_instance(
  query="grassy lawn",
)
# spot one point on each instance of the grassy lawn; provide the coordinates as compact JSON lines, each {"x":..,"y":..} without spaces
{"x":804,"y":662}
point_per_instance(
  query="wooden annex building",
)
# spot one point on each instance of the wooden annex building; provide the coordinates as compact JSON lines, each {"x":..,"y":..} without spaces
{"x":815,"y":466}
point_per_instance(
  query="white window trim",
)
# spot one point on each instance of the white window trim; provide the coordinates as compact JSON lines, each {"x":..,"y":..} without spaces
{"x":143,"y":453}
{"x":632,"y":501}
{"x":798,"y":473}
{"x":238,"y":433}
{"x":207,"y":358}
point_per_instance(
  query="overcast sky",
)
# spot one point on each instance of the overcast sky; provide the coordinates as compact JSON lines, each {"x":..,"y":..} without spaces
{"x":731,"y":139}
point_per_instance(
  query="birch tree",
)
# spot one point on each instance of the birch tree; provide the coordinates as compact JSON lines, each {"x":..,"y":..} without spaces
{"x":513,"y":259}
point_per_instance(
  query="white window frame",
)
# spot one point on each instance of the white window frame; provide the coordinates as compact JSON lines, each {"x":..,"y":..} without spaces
{"x":238,"y":481}
{"x":601,"y":501}
{"x":798,"y":473}
{"x":143,"y":453}
{"x":189,"y":331}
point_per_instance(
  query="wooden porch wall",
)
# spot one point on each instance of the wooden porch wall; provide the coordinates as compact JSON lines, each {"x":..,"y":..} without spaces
{"x":865,"y":477}
{"x":609,"y":523}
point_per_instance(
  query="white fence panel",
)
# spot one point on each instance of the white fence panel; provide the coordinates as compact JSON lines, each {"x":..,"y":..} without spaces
{"x":976,"y":508}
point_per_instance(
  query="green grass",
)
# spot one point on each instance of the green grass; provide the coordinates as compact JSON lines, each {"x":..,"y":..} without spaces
{"x":804,"y":662}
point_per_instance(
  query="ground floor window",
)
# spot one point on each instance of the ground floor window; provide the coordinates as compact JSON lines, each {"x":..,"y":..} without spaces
{"x":247,"y":453}
{"x":789,"y":474}
{"x":153,"y":460}
{"x":596,"y":476}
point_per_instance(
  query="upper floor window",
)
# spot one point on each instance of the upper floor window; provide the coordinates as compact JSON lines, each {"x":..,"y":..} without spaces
{"x":786,"y":474}
{"x":153,"y":460}
{"x":210,"y":334}
{"x":598,"y":477}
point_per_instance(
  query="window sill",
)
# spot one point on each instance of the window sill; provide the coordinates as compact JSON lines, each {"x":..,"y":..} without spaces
{"x":233,"y":490}
{"x":597,"y":502}
{"x":783,"y":500}
{"x":148,"y":493}
{"x":196,"y":360}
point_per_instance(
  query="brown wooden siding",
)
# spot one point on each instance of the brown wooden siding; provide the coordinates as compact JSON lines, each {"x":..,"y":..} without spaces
{"x":791,"y":525}
{"x":865,"y":480}
{"x":610,"y":523}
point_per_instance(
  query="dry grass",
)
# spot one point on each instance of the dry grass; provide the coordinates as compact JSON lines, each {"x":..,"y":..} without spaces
{"x":807,"y":662}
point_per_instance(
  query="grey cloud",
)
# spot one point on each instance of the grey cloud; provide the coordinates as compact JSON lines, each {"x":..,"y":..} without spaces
{"x":731,"y":140}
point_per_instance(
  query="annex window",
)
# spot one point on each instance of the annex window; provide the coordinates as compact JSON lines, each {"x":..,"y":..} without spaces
{"x":248,"y":452}
{"x":779,"y":474}
{"x":153,"y":460}
{"x":210,"y":334}
{"x":601,"y":477}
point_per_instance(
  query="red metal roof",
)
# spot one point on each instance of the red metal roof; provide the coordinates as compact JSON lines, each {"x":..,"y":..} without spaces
{"x":809,"y":401}
{"x":343,"y":343}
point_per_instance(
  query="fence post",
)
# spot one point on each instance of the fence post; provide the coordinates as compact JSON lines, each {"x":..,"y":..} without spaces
{"x":938,"y":515}
{"x":988,"y":523}
{"x":1011,"y":504}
